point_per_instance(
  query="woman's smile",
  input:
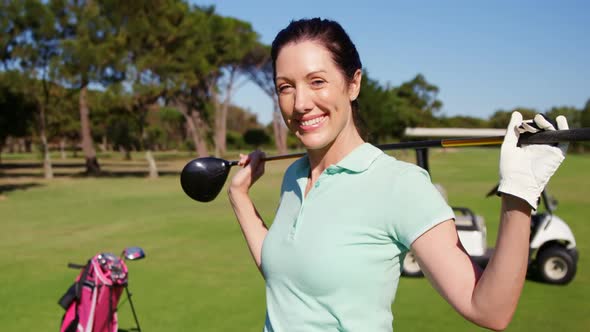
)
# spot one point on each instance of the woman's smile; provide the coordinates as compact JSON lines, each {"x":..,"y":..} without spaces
{"x":312,"y":123}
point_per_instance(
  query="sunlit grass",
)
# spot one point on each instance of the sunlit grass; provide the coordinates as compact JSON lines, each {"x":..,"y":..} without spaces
{"x":198,"y":274}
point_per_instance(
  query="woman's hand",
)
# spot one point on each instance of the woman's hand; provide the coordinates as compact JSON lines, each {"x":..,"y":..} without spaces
{"x":525,"y":170}
{"x":253,"y":169}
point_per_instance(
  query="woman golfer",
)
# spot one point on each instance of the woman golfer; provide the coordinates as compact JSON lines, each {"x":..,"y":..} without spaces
{"x":348,"y":212}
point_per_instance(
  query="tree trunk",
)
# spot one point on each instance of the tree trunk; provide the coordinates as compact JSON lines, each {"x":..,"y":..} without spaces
{"x":152,"y":164}
{"x":195,"y":127}
{"x":9,"y":143}
{"x":279,"y":129}
{"x":47,"y":169}
{"x":104,"y":147}
{"x":126,"y":152}
{"x":28,"y":141}
{"x":218,"y":125}
{"x":92,"y":166}
{"x":62,"y":148}
{"x":221,"y":116}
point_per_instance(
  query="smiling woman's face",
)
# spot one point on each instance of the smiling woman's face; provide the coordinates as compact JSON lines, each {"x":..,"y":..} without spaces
{"x":314,"y":95}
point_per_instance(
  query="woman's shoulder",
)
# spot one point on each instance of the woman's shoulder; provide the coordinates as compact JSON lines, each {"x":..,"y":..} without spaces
{"x":397,"y":168}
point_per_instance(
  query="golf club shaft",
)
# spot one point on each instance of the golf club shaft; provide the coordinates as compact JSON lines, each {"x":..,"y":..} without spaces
{"x":544,"y":137}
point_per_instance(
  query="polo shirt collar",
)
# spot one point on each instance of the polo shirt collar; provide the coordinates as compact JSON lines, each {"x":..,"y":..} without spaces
{"x":359,"y":159}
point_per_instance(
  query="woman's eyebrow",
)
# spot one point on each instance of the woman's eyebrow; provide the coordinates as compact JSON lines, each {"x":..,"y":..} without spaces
{"x":307,"y":76}
{"x":316,"y":72}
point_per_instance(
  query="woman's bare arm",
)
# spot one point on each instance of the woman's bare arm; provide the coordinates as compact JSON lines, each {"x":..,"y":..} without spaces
{"x":251,"y":223}
{"x":487,"y":298}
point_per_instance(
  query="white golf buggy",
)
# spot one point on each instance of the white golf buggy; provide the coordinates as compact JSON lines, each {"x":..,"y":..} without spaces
{"x":553,"y":256}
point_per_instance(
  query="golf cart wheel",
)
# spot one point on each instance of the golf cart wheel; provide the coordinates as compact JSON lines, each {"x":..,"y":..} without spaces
{"x":410,"y":267}
{"x":556,"y":265}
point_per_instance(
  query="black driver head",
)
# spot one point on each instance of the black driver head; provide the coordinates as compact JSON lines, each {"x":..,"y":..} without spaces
{"x":202,"y":178}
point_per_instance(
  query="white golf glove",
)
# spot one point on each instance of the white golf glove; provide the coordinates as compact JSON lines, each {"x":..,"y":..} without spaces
{"x":525,"y":170}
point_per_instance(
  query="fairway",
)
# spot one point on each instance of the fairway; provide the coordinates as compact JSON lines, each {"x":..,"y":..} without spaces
{"x":198,"y":274}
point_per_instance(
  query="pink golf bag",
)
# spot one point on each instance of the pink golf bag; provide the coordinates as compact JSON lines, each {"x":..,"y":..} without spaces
{"x":91,"y":302}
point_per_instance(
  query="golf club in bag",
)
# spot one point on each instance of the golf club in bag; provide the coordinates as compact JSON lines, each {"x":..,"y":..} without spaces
{"x":91,"y":302}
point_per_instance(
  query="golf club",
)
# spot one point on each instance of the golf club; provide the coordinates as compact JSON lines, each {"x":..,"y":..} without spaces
{"x":202,"y":178}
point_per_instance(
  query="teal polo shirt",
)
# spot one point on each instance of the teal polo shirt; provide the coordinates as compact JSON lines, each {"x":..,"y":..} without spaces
{"x":332,"y":259}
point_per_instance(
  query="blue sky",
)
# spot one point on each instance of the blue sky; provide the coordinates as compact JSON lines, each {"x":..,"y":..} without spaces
{"x":483,"y":55}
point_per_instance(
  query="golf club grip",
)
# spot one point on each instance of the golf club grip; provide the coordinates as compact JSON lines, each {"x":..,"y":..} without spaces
{"x":544,"y":137}
{"x":552,"y":137}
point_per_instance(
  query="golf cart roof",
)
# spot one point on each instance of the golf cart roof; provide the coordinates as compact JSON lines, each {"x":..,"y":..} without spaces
{"x":422,"y":154}
{"x":453,"y":132}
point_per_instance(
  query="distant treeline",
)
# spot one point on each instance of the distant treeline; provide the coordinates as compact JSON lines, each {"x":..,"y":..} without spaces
{"x":160,"y":75}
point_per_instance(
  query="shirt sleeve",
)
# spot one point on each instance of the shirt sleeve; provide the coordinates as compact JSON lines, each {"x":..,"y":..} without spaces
{"x":418,"y":206}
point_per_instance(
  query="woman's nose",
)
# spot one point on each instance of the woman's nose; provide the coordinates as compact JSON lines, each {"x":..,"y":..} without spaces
{"x":303,"y":100}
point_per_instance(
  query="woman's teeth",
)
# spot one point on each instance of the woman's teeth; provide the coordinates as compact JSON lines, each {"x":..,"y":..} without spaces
{"x":312,"y":121}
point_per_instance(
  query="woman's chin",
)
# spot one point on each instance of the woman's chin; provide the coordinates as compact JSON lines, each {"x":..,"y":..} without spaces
{"x":314,"y":142}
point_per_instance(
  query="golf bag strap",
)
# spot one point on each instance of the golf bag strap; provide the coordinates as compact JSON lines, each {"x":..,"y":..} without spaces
{"x":82,"y":279}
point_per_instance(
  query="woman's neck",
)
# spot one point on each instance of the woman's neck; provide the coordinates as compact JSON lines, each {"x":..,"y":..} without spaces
{"x":321,"y":159}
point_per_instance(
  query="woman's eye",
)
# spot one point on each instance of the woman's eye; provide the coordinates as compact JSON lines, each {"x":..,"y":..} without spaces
{"x":317,"y":83}
{"x":284,"y":88}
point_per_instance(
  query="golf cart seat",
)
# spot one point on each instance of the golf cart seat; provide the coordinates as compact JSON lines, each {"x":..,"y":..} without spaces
{"x":465,"y":219}
{"x":470,"y":227}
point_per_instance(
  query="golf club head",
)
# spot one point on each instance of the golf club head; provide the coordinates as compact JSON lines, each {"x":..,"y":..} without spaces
{"x":202,"y":178}
{"x":133,"y":253}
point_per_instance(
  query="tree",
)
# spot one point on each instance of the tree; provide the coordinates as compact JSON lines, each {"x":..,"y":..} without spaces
{"x":572,"y":114}
{"x":11,"y":29}
{"x":585,"y":123}
{"x":92,"y":51}
{"x":240,"y":120}
{"x":256,"y":137}
{"x":378,"y":107}
{"x":259,"y":69}
{"x":171,"y":58}
{"x":387,"y":111}
{"x":461,"y":121}
{"x":501,"y":118}
{"x":420,"y":99}
{"x":63,"y":121}
{"x":16,"y":110}
{"x":156,"y":34}
{"x":35,"y":48}
{"x":235,"y":40}
{"x":172,"y":124}
{"x":585,"y":115}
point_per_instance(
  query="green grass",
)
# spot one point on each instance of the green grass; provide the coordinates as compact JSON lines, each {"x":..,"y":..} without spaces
{"x":198,"y":274}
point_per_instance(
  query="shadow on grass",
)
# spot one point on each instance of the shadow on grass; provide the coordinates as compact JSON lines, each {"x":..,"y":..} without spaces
{"x":34,"y":175}
{"x":10,"y":166}
{"x":39,"y":165}
{"x":77,"y":170}
{"x":78,"y":175}
{"x":27,"y":171}
{"x":4,"y":188}
{"x":122,"y":174}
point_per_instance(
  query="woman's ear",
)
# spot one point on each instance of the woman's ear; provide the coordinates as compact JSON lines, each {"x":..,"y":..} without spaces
{"x":354,"y":88}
